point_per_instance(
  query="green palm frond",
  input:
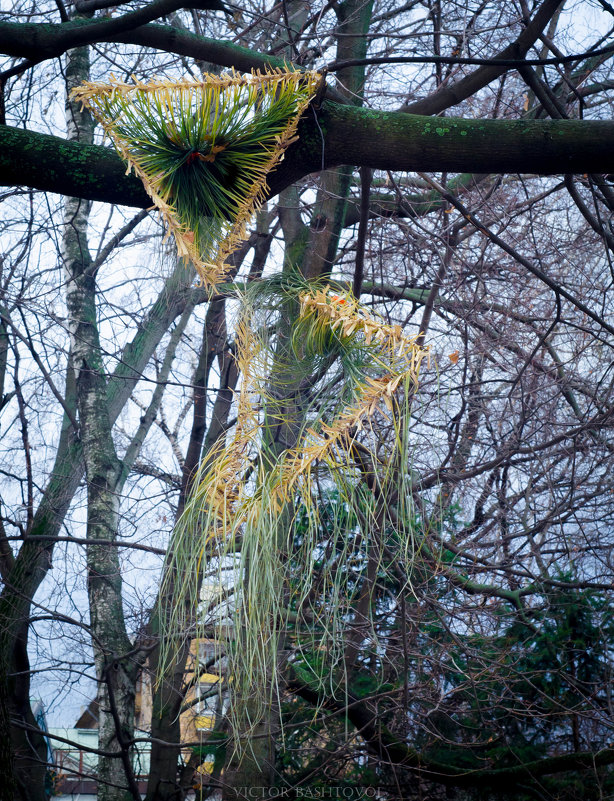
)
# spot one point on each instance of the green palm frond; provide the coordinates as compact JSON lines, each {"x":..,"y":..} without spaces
{"x":203,"y":149}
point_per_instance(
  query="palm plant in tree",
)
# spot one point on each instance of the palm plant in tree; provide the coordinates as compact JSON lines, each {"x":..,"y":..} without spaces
{"x":203,"y":149}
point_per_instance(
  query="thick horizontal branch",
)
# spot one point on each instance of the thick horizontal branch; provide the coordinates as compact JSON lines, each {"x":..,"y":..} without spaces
{"x":47,"y":162}
{"x":396,"y":141}
{"x":335,"y":135}
{"x":38,"y":41}
{"x":184,"y":43}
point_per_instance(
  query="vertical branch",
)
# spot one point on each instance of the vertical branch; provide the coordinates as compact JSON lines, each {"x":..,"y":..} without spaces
{"x":328,"y":218}
{"x":164,"y":781}
{"x":365,"y":186}
{"x":29,"y":503}
{"x":213,"y":343}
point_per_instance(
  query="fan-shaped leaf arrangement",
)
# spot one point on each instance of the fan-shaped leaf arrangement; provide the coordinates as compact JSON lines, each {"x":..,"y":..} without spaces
{"x":203,"y":149}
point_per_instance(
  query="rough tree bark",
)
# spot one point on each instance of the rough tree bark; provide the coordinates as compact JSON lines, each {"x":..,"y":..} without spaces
{"x":115,"y":667}
{"x":338,"y":134}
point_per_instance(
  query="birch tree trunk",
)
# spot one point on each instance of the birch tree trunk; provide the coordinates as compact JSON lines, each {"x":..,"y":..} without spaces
{"x":115,"y":670}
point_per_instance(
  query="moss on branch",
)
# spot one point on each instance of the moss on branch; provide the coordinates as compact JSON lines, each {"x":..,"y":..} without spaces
{"x":338,"y":135}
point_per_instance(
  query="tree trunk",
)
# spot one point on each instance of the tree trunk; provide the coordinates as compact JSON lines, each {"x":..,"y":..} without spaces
{"x":312,"y":253}
{"x":28,"y":744}
{"x":115,"y":673}
{"x":164,"y":782}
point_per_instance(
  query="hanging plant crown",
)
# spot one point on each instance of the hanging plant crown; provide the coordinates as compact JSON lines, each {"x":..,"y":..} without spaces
{"x":240,"y":526}
{"x":203,"y":149}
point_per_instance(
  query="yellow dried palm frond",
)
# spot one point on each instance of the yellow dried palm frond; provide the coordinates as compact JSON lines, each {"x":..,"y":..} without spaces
{"x":244,"y":508}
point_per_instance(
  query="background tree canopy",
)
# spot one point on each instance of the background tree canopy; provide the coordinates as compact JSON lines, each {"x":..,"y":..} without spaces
{"x":422,"y":607}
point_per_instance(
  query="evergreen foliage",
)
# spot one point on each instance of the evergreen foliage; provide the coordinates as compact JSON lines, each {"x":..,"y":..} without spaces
{"x":203,"y":149}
